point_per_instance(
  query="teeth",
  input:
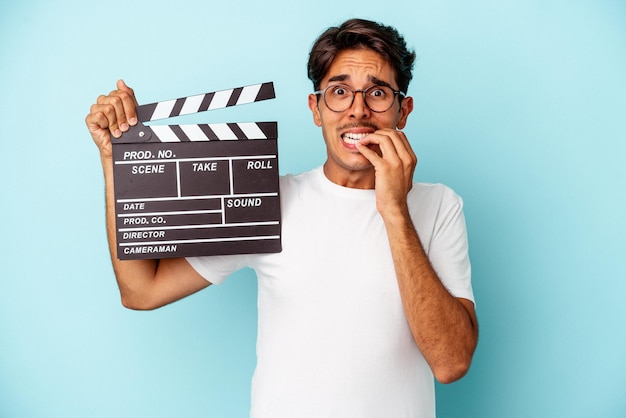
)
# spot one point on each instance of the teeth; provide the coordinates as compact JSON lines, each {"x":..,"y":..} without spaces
{"x":351,"y":138}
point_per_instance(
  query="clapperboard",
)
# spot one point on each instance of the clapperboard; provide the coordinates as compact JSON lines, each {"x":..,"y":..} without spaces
{"x":201,"y":189}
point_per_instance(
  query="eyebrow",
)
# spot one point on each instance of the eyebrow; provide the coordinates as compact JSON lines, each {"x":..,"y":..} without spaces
{"x":345,"y":77}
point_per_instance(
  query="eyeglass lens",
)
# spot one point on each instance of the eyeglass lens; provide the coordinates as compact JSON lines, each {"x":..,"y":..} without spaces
{"x":378,"y":98}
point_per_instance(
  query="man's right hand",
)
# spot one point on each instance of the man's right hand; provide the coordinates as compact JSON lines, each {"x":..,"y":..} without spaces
{"x":143,"y":284}
{"x":112,"y":114}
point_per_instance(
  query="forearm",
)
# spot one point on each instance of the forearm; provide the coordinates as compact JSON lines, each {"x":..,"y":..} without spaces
{"x":143,"y":284}
{"x":134,"y":277}
{"x":444,"y":329}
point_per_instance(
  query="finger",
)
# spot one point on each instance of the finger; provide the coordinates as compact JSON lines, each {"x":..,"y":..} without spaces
{"x":126,"y":106}
{"x":392,"y":142}
{"x":385,"y":143}
{"x":372,"y":156}
{"x":407,"y":148}
{"x":116,"y":107}
{"x":406,"y":154}
{"x":112,"y":109}
{"x":121,"y":85}
{"x":98,"y":125}
{"x":396,"y":152}
{"x":396,"y":145}
{"x":129,"y":101}
{"x":403,"y":145}
{"x":96,"y":121}
{"x":404,"y":149}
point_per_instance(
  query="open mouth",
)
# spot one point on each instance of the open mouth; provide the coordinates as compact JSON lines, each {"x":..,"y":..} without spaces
{"x":352,"y":138}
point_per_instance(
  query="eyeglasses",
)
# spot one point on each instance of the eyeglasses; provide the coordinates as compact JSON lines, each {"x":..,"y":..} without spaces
{"x":377,"y":98}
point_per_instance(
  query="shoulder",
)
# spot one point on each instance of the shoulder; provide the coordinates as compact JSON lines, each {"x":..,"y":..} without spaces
{"x":432,"y":204}
{"x":435,"y":193}
{"x":289,"y":182}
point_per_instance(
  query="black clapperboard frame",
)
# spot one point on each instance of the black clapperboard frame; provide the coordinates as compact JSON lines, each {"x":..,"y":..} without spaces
{"x":197,"y":189}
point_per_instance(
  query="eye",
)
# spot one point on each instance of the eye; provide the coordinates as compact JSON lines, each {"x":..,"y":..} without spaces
{"x":378,"y":93}
{"x":339,"y":91}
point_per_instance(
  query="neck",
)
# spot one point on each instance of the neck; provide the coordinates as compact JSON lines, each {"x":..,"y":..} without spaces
{"x":355,"y":179}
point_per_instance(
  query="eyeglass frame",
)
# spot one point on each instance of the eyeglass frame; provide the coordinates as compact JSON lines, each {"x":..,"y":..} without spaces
{"x":362,"y":91}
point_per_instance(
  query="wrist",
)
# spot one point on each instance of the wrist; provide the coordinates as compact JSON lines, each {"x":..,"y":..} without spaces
{"x":395,"y":213}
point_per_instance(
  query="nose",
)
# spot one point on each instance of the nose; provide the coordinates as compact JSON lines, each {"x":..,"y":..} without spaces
{"x":359,"y":109}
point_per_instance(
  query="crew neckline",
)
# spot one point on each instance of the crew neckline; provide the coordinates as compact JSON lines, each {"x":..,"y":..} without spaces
{"x":335,"y":188}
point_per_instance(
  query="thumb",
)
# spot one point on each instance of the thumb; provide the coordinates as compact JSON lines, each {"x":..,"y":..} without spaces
{"x":121,"y":85}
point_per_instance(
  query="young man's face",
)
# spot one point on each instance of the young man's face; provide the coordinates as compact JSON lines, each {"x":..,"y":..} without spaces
{"x":356,"y":69}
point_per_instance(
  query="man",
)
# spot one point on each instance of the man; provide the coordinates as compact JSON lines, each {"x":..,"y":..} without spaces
{"x":371,"y":295}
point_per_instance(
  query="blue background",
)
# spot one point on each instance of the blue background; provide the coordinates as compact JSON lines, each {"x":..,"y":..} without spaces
{"x":520,"y":107}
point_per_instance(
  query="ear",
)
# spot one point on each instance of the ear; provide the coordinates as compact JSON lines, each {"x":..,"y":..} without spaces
{"x":313,"y":105}
{"x":406,"y":107}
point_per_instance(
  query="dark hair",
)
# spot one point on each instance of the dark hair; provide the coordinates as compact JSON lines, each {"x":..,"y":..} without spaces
{"x":357,"y":34}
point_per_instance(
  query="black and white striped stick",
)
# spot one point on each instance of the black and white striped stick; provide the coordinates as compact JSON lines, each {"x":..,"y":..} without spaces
{"x":202,"y":132}
{"x":204,"y":102}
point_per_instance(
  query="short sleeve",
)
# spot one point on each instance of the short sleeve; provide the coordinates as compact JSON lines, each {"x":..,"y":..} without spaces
{"x":217,"y":268}
{"x":449,"y":252}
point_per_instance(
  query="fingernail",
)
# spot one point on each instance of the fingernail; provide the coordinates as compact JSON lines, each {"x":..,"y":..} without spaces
{"x":124,"y":127}
{"x":117,"y":133}
{"x":133,"y":121}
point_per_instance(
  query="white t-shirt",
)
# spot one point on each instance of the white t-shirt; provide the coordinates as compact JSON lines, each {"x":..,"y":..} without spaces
{"x":333,"y":340}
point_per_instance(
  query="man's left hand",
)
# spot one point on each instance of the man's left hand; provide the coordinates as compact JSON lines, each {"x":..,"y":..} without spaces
{"x":394,"y":166}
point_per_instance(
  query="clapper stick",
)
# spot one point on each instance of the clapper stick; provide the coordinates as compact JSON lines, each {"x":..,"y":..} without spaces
{"x":197,"y":189}
{"x":202,"y":103}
